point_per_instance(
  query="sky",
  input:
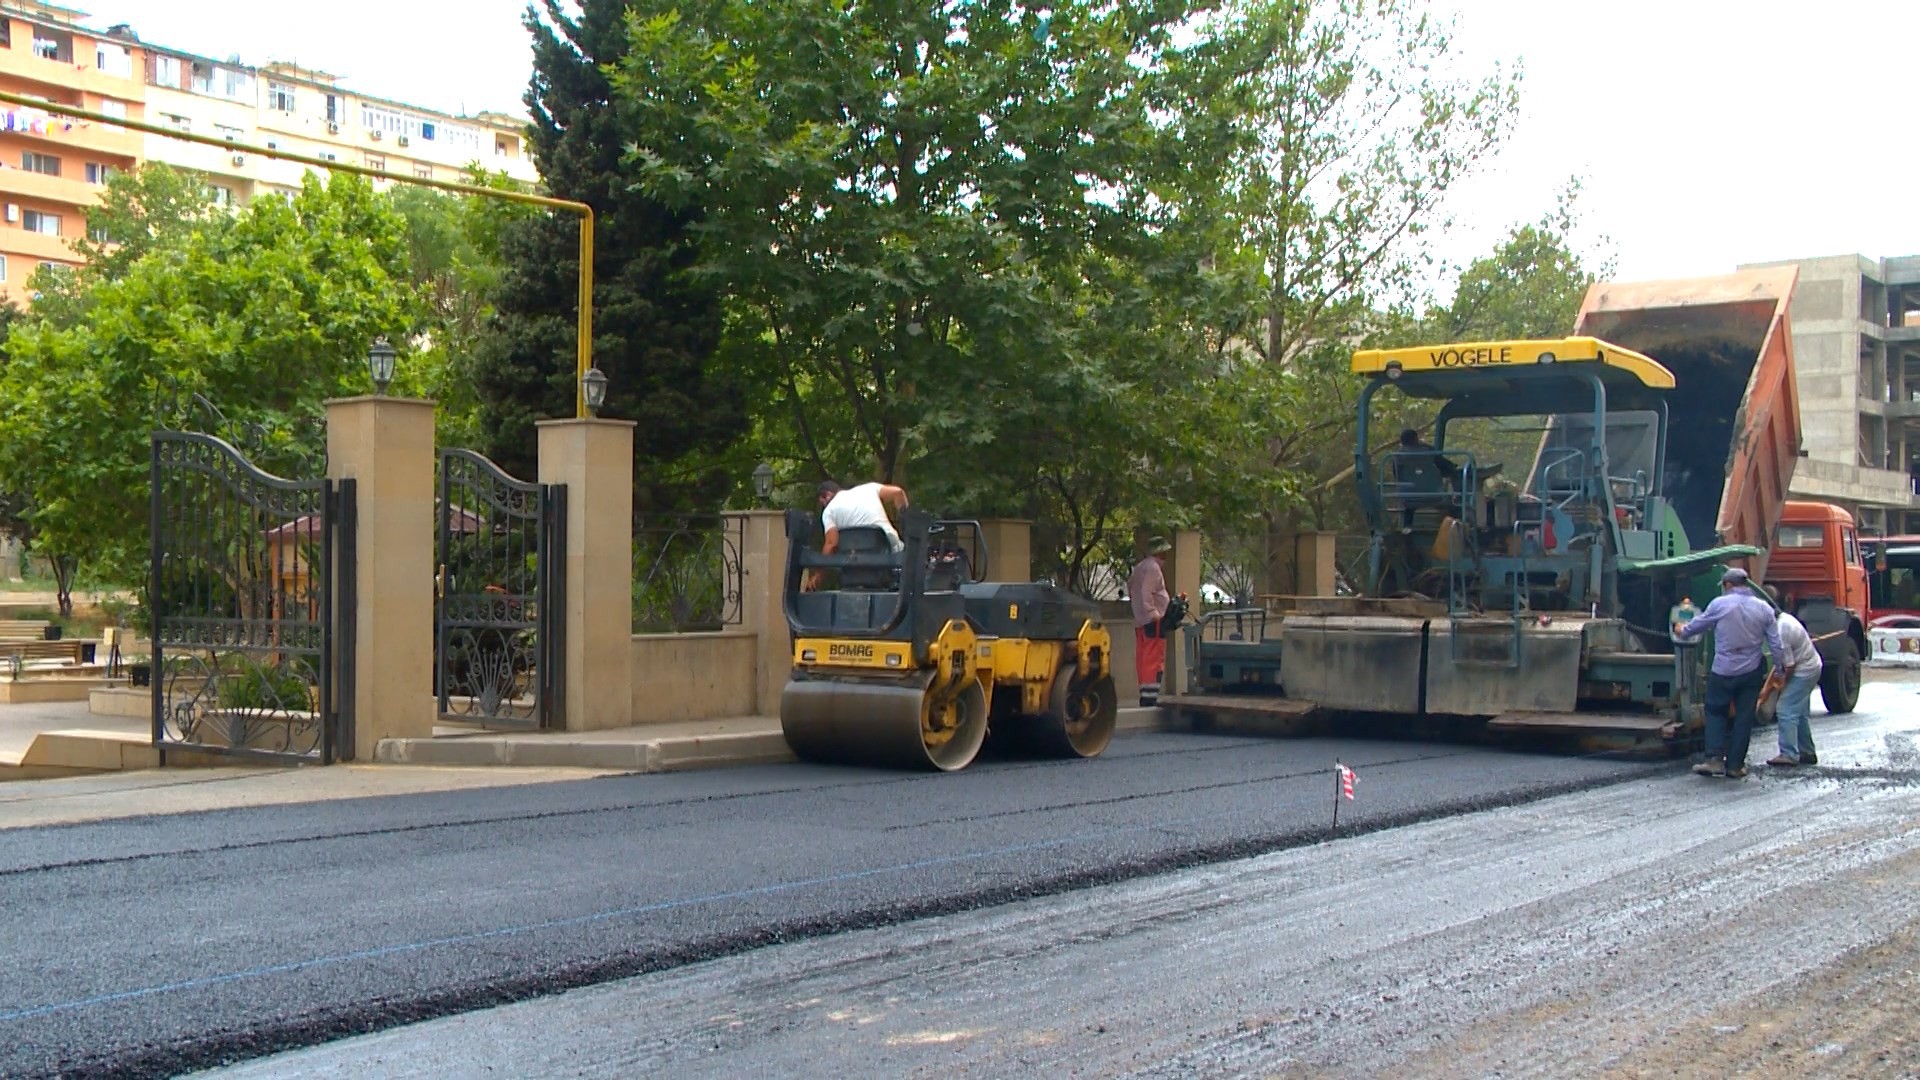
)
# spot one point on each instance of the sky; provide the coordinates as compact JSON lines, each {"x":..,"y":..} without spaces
{"x":1707,"y":133}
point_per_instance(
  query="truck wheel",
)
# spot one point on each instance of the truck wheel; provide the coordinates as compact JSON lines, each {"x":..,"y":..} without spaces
{"x":1840,"y":683}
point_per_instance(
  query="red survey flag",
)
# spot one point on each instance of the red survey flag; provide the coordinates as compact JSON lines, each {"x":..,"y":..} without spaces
{"x":1346,"y":780}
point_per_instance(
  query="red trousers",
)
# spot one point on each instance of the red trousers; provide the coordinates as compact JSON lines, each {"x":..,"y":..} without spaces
{"x":1149,"y":661}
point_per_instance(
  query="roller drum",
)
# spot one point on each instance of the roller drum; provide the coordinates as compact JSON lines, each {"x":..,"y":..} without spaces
{"x":1079,"y":721}
{"x":889,"y":723}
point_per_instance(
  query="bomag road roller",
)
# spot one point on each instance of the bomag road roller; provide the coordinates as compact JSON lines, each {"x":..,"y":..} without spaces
{"x":912,"y":660}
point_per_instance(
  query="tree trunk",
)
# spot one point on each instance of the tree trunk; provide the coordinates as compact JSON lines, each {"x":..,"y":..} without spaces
{"x":63,"y":568}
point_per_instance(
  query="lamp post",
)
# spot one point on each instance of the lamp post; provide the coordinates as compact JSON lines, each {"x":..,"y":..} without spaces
{"x":380,"y":365}
{"x":594,"y":384}
{"x":762,"y":482}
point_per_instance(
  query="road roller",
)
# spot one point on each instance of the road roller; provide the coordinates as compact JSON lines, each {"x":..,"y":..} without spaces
{"x":911,"y":659}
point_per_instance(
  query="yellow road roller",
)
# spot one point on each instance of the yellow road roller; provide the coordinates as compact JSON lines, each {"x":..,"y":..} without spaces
{"x":911,"y":660}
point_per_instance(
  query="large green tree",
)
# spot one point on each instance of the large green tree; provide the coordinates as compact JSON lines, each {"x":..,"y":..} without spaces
{"x":265,"y":312}
{"x":655,"y":327}
{"x":959,"y":241}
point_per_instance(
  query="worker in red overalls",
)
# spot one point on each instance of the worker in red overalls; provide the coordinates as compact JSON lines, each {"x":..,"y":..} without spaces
{"x":1147,"y":590}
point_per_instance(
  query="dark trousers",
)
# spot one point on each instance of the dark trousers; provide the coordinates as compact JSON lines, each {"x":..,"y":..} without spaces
{"x":1743,"y":693}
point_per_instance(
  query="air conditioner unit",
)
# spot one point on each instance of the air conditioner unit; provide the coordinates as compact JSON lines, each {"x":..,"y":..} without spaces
{"x":333,"y":127}
{"x":402,"y":140}
{"x":374,"y":135}
{"x":13,"y":213}
{"x":239,"y":159}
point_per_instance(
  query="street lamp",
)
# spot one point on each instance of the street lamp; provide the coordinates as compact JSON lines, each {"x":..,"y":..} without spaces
{"x":763,"y":481}
{"x":380,"y":364}
{"x":594,"y":384}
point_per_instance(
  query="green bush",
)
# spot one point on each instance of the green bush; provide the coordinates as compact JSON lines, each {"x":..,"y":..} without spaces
{"x":265,"y":688}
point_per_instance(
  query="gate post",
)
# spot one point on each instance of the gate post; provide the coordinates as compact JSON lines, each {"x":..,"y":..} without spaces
{"x":594,"y":459}
{"x":1009,"y":549}
{"x":763,"y":552}
{"x":386,"y":445}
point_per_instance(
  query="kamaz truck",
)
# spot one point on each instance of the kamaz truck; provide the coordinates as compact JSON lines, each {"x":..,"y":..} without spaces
{"x":1526,"y":561}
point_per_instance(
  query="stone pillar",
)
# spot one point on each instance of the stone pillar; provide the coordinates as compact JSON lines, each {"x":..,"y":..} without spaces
{"x":1315,"y":571}
{"x":594,"y":459}
{"x":385,"y":445}
{"x":1183,"y":576}
{"x":1009,"y":549}
{"x":764,"y":555}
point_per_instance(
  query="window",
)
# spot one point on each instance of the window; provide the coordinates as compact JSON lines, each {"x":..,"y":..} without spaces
{"x":113,"y":59}
{"x":1852,"y":546}
{"x":6,"y":42}
{"x":166,"y":71}
{"x":235,"y":84}
{"x":375,"y":161}
{"x":113,"y":107}
{"x":280,"y":96}
{"x":231,"y":134}
{"x":426,"y":131}
{"x":45,"y":224}
{"x":98,"y":233}
{"x":52,"y":45}
{"x":176,"y":122}
{"x":3,"y":268}
{"x":98,"y":173}
{"x":221,"y":196}
{"x":1803,"y":537}
{"x":201,"y":81}
{"x":44,"y":164}
{"x":336,"y":109}
{"x":424,"y":172}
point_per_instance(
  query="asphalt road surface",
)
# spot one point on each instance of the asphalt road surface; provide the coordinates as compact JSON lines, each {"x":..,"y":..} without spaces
{"x":706,"y":917}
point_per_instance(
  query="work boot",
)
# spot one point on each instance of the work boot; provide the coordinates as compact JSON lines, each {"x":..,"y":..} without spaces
{"x":1809,"y":759}
{"x":1782,"y":761}
{"x":1711,"y":767}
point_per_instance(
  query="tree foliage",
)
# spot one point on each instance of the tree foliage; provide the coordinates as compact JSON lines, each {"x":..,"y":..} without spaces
{"x":266,"y":312}
{"x":654,"y":327}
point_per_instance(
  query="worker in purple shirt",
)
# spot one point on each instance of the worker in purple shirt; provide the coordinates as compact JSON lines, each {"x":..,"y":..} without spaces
{"x":1742,"y":625}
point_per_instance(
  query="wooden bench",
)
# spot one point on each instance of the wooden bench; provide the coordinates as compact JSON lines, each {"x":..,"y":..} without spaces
{"x":26,"y":640}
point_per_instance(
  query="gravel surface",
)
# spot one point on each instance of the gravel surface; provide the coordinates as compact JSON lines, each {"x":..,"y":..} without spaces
{"x":1667,"y":925}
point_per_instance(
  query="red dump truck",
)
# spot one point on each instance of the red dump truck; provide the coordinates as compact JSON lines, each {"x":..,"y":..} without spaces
{"x":1535,"y":593}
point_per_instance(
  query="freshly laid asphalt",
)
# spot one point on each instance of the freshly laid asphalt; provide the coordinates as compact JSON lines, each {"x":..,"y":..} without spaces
{"x":156,"y":945}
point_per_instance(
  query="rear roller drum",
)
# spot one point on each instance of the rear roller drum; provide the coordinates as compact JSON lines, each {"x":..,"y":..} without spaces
{"x":1078,"y":723}
{"x":895,"y":724}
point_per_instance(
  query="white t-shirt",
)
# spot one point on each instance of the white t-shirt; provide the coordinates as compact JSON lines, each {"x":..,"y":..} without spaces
{"x":1798,"y":645}
{"x":859,"y":507}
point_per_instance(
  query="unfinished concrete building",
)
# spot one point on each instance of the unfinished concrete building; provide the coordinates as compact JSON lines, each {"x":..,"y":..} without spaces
{"x":1856,"y":346}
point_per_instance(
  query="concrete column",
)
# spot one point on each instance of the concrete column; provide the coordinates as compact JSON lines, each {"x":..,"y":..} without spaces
{"x":764,"y":553}
{"x":1315,"y":569}
{"x":385,"y":445}
{"x":1009,"y":549}
{"x":1183,"y":576}
{"x":594,"y":459}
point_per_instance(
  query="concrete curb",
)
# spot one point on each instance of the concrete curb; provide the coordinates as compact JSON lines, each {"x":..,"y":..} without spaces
{"x":586,"y":750}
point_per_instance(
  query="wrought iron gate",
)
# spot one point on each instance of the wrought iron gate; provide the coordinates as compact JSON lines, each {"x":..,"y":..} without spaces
{"x":500,"y":592}
{"x":250,"y":598}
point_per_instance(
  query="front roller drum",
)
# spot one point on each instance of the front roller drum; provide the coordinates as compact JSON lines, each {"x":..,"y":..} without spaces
{"x":889,"y":723}
{"x":1078,"y":723}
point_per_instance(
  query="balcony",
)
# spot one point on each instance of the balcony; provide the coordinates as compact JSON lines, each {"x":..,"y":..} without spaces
{"x":24,"y":249}
{"x":21,"y":63}
{"x":18,"y":184}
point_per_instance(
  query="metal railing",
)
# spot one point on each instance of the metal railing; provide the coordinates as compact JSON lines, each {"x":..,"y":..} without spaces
{"x":688,"y":574}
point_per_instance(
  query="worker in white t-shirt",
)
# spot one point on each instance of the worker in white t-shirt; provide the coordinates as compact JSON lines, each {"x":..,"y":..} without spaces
{"x":864,"y":505}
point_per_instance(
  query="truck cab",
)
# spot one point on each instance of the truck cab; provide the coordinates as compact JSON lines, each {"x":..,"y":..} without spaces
{"x":1893,"y":582}
{"x":1816,"y":571}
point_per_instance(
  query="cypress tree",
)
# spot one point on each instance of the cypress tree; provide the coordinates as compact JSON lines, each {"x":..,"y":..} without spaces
{"x":654,"y":329}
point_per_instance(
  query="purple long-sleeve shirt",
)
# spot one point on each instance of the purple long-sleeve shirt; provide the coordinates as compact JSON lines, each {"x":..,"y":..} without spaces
{"x":1742,"y":623}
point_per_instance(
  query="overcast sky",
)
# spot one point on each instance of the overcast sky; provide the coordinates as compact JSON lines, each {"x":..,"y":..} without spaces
{"x":1708,"y":132}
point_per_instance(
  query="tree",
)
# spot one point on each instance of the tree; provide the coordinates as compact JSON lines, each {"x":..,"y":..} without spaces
{"x":267,"y":312}
{"x":1530,"y":286}
{"x":907,"y":203}
{"x":655,"y":328}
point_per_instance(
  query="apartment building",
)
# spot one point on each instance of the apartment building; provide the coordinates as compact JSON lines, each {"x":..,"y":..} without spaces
{"x":51,"y":169}
{"x":1856,"y":346}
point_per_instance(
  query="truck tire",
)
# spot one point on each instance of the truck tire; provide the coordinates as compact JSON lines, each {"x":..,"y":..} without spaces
{"x":1840,"y":683}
